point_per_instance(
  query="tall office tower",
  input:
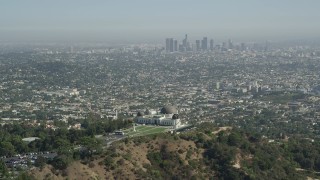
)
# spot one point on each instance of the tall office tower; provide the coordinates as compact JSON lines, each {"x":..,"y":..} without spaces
{"x":168,"y":45}
{"x":198,"y":45}
{"x":175,"y":45}
{"x":204,"y":44}
{"x":181,"y":48}
{"x":186,"y":44}
{"x":171,"y":45}
{"x":185,"y":41}
{"x":194,"y":48}
{"x":230,"y":44}
{"x":211,"y":44}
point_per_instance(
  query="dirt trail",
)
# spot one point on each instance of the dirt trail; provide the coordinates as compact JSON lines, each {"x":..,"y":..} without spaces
{"x":222,"y":129}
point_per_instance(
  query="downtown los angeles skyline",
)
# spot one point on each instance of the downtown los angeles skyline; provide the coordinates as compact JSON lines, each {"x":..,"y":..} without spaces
{"x":151,"y":21}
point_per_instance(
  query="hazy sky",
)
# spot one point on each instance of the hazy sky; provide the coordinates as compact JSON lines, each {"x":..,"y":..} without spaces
{"x":153,"y":20}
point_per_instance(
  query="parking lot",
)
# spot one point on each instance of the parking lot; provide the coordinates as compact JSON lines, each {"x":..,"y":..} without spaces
{"x":23,"y":160}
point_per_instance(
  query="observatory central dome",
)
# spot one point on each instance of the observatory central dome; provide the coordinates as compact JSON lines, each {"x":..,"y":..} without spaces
{"x":168,"y":110}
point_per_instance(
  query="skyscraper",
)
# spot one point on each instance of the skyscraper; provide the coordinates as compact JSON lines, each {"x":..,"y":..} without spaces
{"x":185,"y":41}
{"x":169,"y":45}
{"x":175,"y":45}
{"x":211,"y":44}
{"x":204,"y":43}
{"x":230,"y":44}
{"x":198,"y":45}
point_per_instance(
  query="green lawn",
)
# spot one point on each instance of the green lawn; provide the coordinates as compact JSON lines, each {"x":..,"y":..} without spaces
{"x":145,"y":130}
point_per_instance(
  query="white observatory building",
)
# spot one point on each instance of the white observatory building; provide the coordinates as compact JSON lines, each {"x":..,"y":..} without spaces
{"x":168,"y":116}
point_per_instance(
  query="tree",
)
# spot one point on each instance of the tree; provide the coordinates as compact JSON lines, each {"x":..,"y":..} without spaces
{"x":19,"y":145}
{"x":92,"y":145}
{"x":85,"y":124}
{"x":40,"y":162}
{"x":234,"y":139}
{"x":62,"y":146}
{"x":74,"y":135}
{"x":6,"y":149}
{"x":3,"y":169}
{"x":61,"y":162}
{"x":91,"y":130}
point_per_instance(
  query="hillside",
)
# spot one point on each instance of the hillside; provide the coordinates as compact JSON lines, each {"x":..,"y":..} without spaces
{"x":223,"y":153}
{"x":129,"y":159}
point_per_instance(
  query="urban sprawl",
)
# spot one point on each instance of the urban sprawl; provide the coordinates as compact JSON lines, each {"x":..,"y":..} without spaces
{"x":266,"y":87}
